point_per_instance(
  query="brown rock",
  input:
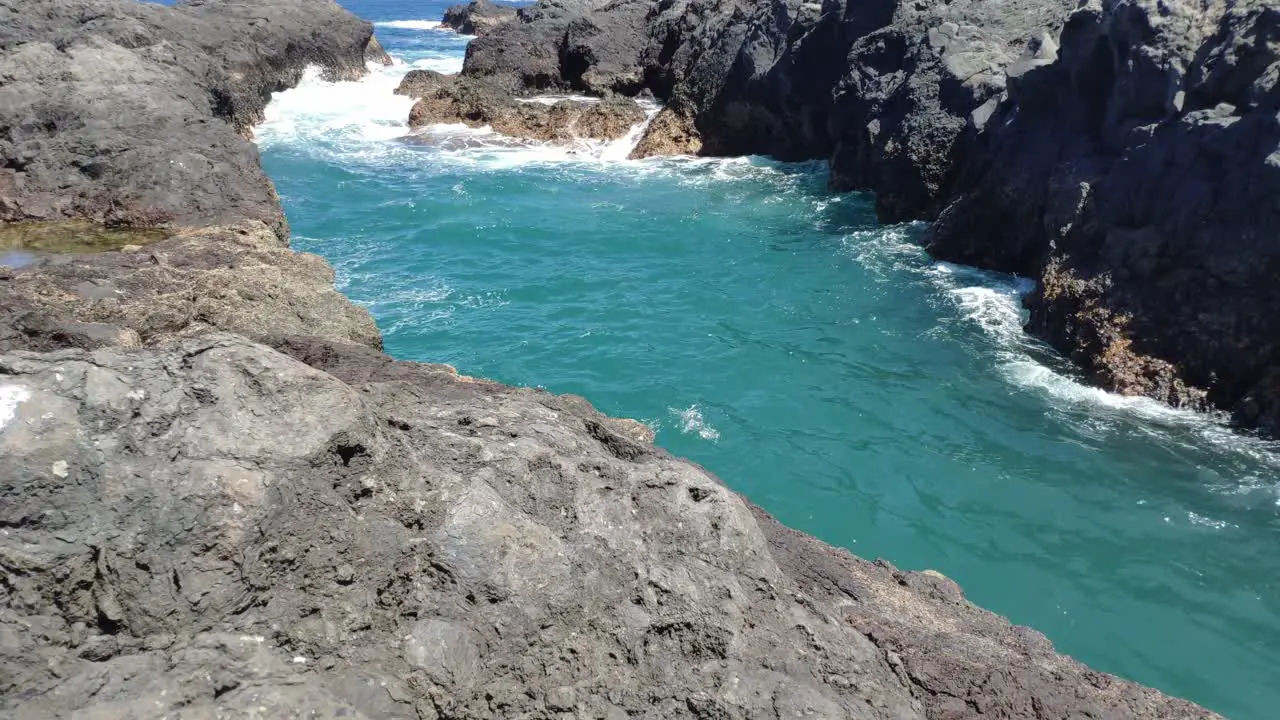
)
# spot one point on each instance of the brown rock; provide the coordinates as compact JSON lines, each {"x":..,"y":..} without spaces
{"x":609,"y":120}
{"x":238,"y":278}
{"x":670,"y":133}
{"x":476,"y":103}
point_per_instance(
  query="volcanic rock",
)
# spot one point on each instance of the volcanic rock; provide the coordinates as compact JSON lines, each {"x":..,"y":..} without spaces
{"x":478,"y":17}
{"x":133,"y":113}
{"x":1134,"y":174}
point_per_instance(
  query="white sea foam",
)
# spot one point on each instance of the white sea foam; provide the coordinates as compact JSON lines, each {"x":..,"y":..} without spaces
{"x":11,"y":396}
{"x":364,"y":119}
{"x":992,"y":303}
{"x":409,"y":24}
{"x":1209,"y":522}
{"x":692,"y":423}
{"x":441,"y":63}
{"x":337,"y":115}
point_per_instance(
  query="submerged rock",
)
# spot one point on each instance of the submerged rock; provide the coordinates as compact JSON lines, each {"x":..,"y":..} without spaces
{"x":478,"y":17}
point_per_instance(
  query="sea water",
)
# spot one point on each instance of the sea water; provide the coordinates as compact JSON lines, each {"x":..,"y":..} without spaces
{"x":819,"y":363}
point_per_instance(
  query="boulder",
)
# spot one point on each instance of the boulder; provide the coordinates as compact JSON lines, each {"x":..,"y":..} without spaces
{"x":478,"y":17}
{"x":670,"y":133}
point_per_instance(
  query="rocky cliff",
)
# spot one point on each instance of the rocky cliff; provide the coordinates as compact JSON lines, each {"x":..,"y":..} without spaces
{"x":219,"y":499}
{"x":1121,"y":152}
{"x":1136,"y":177}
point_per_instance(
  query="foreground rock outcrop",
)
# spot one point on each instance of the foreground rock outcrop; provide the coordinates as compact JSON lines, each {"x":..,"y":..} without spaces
{"x":240,"y":278}
{"x":214,"y":525}
{"x":1121,"y":152}
{"x":219,"y":499}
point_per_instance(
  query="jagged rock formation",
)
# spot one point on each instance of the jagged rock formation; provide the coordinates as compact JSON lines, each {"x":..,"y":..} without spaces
{"x":198,"y":524}
{"x":1136,"y":178}
{"x":884,"y":89}
{"x":478,"y":17}
{"x":479,"y":103}
{"x":1130,"y":173}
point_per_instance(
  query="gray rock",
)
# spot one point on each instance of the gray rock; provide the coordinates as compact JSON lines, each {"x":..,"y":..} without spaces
{"x":132,"y":113}
{"x":515,"y":556}
{"x":197,"y":525}
{"x":239,"y":278}
{"x":918,"y":89}
{"x":581,"y":45}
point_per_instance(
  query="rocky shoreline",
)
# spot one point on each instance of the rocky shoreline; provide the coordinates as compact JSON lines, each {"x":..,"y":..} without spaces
{"x":220,"y":499}
{"x":1122,"y":153}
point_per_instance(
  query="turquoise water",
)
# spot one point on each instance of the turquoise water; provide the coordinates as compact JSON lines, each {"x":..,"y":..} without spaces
{"x":818,"y":363}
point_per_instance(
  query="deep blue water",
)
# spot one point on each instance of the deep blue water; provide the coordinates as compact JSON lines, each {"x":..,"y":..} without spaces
{"x":817,"y":362}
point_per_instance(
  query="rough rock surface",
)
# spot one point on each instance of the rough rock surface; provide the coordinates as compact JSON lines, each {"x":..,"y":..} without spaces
{"x":477,"y":103}
{"x":421,"y":545}
{"x":478,"y":17}
{"x":133,"y":113}
{"x":918,"y":86}
{"x":670,"y":133}
{"x":589,"y":46}
{"x":884,"y":89}
{"x":237,"y":278}
{"x":1136,"y":177}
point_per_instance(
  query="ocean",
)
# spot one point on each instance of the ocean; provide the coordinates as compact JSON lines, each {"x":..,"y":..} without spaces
{"x":818,"y":362}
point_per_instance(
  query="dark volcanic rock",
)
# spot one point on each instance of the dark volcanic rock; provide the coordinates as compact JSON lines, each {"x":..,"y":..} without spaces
{"x":132,"y":113}
{"x":567,"y":45}
{"x":1133,"y":175}
{"x":478,"y":17}
{"x":1136,"y":177}
{"x":885,"y":89}
{"x":918,"y":84}
{"x":419,"y":544}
